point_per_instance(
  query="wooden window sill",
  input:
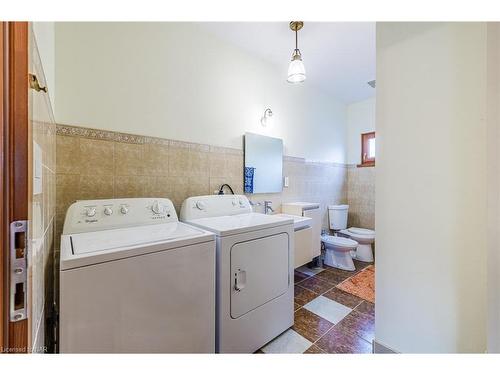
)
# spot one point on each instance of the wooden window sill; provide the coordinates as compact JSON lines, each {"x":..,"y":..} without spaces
{"x":366,"y":165}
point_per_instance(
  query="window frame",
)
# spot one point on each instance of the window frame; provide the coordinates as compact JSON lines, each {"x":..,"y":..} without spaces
{"x":365,"y":144}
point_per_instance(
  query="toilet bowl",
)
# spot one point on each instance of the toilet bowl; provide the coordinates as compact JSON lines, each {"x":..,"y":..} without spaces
{"x":337,"y":252}
{"x":365,"y":238}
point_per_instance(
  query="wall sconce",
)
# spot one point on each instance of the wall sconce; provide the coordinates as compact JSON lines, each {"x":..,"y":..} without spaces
{"x":267,"y":120}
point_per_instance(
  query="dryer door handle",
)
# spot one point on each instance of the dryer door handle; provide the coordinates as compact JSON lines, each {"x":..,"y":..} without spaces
{"x":240,"y":280}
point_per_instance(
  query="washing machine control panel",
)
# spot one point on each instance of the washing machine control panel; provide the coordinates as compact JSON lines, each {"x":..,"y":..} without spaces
{"x":214,"y":205}
{"x":103,"y":214}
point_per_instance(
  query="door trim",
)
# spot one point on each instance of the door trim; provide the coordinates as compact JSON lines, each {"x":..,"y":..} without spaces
{"x":3,"y":216}
{"x":14,"y":155}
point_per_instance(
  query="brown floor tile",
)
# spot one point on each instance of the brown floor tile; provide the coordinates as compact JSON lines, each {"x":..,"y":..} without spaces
{"x":339,"y":341}
{"x":366,"y":308}
{"x":303,"y":296}
{"x":360,"y":265}
{"x":314,"y":349}
{"x":296,"y":306}
{"x":335,"y":276}
{"x":360,"y":324}
{"x":299,"y":276}
{"x":316,"y":284}
{"x":310,"y":325}
{"x":344,"y":298}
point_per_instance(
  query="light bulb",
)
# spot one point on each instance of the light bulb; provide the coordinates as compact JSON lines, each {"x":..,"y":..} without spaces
{"x":296,"y":69}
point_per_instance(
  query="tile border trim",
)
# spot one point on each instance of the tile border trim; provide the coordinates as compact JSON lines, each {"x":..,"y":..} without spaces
{"x":108,"y":135}
{"x":113,"y":136}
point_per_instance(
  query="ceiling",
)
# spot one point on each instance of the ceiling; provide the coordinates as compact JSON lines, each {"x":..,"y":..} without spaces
{"x":339,"y":56}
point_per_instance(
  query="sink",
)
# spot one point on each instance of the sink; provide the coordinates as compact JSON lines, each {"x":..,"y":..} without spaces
{"x":299,"y":222}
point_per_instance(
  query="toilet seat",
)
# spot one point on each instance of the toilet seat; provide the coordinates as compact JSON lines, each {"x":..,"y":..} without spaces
{"x":362,"y":231}
{"x":361,"y":235}
{"x":339,"y":241}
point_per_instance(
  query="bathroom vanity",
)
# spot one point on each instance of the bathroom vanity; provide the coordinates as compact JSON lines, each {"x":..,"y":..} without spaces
{"x":311,"y":211}
{"x":302,"y":238}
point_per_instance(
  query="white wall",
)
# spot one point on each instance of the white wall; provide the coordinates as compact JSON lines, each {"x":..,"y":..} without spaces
{"x":45,"y":39}
{"x":360,"y":119}
{"x":431,"y":187}
{"x":174,"y":80}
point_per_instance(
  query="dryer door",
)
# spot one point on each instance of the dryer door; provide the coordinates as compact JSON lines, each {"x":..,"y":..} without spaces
{"x":259,"y":272}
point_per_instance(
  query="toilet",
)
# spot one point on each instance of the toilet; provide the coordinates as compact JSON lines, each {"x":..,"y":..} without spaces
{"x":338,"y":249}
{"x":338,"y":252}
{"x":364,"y":237}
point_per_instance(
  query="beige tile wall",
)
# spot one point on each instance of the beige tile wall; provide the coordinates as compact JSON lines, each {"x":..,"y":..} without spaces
{"x":94,"y":164}
{"x":361,"y":196}
{"x":42,"y":215}
{"x":323,"y":183}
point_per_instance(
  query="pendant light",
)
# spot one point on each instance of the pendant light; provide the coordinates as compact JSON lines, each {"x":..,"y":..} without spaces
{"x":296,"y":69}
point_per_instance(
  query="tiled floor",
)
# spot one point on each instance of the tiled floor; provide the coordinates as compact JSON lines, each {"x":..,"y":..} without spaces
{"x":327,"y":319}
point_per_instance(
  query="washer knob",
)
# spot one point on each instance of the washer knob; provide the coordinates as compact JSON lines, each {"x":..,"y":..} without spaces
{"x":123,"y":209}
{"x":91,"y":211}
{"x":157,"y":208}
{"x":108,"y":211}
{"x":200,"y":205}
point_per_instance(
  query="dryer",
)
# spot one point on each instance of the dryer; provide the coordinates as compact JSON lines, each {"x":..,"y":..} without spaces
{"x":254,"y":272}
{"x":133,"y":279}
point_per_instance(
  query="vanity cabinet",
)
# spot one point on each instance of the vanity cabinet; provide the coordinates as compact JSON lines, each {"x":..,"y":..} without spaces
{"x":303,"y":238}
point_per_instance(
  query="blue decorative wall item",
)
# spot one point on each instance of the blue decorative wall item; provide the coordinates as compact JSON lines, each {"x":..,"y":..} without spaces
{"x":249,"y":173}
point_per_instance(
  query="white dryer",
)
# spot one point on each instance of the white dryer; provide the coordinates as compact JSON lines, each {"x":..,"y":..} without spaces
{"x":254,"y":271}
{"x":134,"y":279}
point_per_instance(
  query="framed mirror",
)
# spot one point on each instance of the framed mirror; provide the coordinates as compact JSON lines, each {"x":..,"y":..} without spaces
{"x":263,"y":164}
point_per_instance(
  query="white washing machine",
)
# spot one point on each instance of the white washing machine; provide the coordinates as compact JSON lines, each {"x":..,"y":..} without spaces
{"x":254,"y":271}
{"x":133,"y":279}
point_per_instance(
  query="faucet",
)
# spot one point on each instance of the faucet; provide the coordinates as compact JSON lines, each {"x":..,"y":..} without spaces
{"x":267,"y":207}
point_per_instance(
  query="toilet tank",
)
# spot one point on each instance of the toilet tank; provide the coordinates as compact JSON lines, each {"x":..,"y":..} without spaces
{"x":337,"y":215}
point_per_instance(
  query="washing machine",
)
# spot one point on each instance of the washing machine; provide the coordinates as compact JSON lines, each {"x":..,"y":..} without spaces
{"x":133,"y":279}
{"x":254,"y":272}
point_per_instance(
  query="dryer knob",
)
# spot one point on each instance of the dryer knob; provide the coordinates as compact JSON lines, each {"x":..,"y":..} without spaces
{"x":200,"y":205}
{"x":108,"y":211}
{"x":123,"y":209}
{"x":91,"y":211}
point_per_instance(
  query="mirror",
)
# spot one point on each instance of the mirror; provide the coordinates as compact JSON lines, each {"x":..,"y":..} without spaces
{"x":263,"y":164}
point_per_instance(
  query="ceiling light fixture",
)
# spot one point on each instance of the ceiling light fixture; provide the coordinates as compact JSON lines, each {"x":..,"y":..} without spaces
{"x":267,"y":120}
{"x":296,"y":69}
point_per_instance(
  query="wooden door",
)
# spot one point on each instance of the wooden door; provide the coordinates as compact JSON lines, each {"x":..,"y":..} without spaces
{"x":15,"y":172}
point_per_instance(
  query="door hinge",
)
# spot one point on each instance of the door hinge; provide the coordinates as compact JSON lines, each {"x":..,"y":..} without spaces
{"x":18,"y":270}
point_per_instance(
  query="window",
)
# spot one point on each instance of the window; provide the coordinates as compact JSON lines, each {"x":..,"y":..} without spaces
{"x":367,"y":150}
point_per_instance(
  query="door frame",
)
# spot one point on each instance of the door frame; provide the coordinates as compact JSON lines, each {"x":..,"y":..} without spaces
{"x":14,"y":164}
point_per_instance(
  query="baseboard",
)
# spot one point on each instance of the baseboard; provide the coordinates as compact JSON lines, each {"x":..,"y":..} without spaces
{"x":379,"y":348}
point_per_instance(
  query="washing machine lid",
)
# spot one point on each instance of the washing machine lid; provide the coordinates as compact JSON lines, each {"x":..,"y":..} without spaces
{"x":243,"y":223}
{"x":83,"y":249}
{"x":362,"y":231}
